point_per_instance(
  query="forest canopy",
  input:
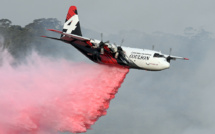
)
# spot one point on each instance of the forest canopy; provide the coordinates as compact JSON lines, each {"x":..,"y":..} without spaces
{"x":20,"y":41}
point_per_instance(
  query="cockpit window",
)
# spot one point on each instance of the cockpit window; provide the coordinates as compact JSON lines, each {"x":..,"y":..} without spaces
{"x":158,"y":55}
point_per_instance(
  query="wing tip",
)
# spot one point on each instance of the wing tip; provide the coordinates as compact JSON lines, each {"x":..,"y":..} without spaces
{"x":186,"y":59}
{"x":51,"y":30}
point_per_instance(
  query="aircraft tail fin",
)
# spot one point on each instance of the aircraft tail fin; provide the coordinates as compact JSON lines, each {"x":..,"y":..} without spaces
{"x":72,"y":24}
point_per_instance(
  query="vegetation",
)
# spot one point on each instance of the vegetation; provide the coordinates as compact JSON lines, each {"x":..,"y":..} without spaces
{"x":22,"y":40}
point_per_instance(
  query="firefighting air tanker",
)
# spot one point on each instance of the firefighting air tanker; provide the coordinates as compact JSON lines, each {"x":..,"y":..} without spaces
{"x":111,"y":54}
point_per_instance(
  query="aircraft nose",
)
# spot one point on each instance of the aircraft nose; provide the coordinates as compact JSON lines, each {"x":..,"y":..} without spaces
{"x":166,"y":65}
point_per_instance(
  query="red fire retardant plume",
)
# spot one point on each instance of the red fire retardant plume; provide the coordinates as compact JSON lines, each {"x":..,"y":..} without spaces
{"x":46,"y":96}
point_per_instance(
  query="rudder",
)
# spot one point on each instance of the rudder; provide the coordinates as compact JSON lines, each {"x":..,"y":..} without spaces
{"x":72,"y":24}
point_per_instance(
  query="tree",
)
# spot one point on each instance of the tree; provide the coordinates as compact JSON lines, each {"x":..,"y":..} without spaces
{"x":5,"y":23}
{"x":21,"y":40}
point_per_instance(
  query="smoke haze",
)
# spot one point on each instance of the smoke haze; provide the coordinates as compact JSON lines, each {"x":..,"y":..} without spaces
{"x":45,"y":95}
{"x":178,"y":100}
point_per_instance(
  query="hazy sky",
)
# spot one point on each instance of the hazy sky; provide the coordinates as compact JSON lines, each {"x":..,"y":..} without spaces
{"x":112,"y":16}
{"x":179,"y":100}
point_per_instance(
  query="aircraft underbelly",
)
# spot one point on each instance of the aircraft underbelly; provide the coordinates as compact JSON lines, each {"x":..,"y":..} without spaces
{"x":95,"y":56}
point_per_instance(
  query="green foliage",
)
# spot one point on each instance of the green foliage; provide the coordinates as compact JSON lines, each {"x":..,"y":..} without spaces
{"x":21,"y":40}
{"x":5,"y":23}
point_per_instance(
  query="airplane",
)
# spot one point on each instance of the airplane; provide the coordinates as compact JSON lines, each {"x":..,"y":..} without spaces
{"x":108,"y":53}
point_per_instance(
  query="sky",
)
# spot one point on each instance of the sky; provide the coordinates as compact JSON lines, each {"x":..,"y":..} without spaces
{"x":112,"y":16}
{"x":179,"y":100}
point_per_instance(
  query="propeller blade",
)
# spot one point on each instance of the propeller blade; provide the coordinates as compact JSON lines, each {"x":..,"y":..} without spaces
{"x":122,"y":42}
{"x":170,"y":51}
{"x":101,"y":45}
{"x":102,"y":37}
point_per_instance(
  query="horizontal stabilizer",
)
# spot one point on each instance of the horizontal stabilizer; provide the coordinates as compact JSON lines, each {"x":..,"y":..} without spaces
{"x":73,"y":36}
{"x":51,"y":38}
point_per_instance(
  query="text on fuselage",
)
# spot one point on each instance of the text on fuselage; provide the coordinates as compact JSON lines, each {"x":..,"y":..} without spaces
{"x":139,"y":56}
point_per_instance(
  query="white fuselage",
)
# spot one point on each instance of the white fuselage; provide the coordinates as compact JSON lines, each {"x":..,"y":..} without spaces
{"x":145,"y":59}
{"x":141,"y":58}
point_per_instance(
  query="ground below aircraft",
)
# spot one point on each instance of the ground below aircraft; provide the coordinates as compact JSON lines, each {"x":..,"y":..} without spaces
{"x":111,"y":54}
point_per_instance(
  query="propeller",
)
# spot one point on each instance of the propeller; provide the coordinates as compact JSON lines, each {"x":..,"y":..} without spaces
{"x":119,"y":49}
{"x":101,"y":44}
{"x":169,"y":58}
{"x":153,"y":47}
{"x":102,"y":37}
{"x":122,"y":42}
{"x":170,"y":51}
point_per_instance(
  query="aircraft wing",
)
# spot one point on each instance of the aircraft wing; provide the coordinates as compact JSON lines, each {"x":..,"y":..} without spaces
{"x":73,"y":36}
{"x":51,"y":38}
{"x":175,"y":57}
{"x":70,"y":38}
